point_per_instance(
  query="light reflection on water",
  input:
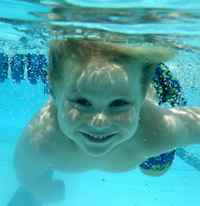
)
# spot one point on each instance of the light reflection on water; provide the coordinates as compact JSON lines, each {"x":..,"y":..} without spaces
{"x":30,"y":24}
{"x":116,"y":20}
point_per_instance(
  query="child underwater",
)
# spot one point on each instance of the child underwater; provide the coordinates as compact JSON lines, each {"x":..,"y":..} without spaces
{"x":99,"y":116}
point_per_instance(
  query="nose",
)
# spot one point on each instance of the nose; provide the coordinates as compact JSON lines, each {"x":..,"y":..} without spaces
{"x":100,"y":121}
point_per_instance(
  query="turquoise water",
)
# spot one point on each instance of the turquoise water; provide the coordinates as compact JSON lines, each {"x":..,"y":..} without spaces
{"x":27,"y":26}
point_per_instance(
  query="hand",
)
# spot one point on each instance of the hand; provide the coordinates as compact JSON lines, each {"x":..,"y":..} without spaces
{"x":58,"y":190}
{"x":54,"y":191}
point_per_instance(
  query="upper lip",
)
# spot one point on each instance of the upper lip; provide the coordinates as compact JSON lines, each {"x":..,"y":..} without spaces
{"x":107,"y":134}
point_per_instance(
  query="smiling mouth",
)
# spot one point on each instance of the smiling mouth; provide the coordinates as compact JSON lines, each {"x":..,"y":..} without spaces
{"x":98,"y":139}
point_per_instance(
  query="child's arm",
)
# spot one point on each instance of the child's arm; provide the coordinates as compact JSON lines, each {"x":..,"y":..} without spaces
{"x":168,"y":129}
{"x":34,"y":173}
{"x":188,"y":125}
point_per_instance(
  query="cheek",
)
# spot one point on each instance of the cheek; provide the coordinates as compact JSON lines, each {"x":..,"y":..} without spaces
{"x":127,"y":118}
{"x":73,"y":115}
{"x":69,"y":114}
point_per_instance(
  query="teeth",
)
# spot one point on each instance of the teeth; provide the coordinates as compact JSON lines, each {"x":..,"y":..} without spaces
{"x":98,"y":138}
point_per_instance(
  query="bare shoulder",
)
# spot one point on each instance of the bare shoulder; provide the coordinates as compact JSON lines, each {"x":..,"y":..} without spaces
{"x":39,"y":132}
{"x":158,"y":126}
{"x":29,"y":160}
{"x":44,"y":123}
{"x":165,"y":129}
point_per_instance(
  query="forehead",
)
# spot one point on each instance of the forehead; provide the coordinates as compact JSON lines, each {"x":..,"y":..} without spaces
{"x":109,"y":78}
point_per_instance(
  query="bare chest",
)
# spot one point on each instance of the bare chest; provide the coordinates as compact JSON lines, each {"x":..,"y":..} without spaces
{"x":71,"y":159}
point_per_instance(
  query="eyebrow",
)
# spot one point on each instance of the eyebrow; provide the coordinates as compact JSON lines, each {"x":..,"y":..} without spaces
{"x":125,"y":98}
{"x":76,"y":92}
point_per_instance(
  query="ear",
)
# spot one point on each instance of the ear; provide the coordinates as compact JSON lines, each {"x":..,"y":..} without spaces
{"x":52,"y":93}
{"x":148,"y":72}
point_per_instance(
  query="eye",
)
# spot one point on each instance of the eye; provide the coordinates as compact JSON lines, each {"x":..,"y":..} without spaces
{"x":119,"y":103}
{"x":83,"y":102}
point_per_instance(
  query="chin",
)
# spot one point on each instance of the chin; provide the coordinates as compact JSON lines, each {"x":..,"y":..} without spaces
{"x":98,"y":151}
{"x":96,"y":154}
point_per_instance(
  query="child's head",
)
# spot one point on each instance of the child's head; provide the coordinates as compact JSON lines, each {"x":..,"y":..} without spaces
{"x":98,"y":89}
